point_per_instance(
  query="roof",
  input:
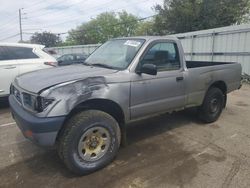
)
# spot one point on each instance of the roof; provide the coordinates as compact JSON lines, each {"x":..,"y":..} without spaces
{"x":22,"y":45}
{"x":150,"y":37}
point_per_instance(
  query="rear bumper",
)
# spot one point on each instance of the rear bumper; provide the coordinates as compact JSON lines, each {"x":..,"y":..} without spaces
{"x":42,"y":131}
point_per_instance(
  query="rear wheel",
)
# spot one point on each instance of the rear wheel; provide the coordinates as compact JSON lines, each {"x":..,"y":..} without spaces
{"x":90,"y":141}
{"x":212,"y":105}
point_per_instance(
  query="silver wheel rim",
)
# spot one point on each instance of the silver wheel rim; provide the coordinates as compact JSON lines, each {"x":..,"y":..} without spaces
{"x":94,"y":143}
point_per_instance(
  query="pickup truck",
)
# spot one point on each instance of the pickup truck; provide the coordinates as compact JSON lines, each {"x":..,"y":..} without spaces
{"x":83,"y":110}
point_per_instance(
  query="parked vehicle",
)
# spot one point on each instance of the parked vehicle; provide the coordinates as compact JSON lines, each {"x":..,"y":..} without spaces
{"x":83,"y":110}
{"x":16,"y":59}
{"x":71,"y":59}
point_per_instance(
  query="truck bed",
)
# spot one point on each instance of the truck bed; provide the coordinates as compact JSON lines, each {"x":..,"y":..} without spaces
{"x":196,"y":64}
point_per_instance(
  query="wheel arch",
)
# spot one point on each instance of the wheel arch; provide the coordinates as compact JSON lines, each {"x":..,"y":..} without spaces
{"x":222,"y":86}
{"x":105,"y":105}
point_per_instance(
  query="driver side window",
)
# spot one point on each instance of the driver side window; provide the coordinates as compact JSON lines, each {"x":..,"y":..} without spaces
{"x":164,"y":55}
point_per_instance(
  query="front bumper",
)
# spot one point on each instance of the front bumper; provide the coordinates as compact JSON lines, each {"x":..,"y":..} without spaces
{"x":42,"y":131}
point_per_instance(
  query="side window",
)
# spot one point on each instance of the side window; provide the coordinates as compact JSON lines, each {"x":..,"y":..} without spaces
{"x":80,"y":57}
{"x":11,"y":53}
{"x":164,"y":55}
{"x":69,"y":57}
{"x":23,"y":53}
{"x":3,"y":53}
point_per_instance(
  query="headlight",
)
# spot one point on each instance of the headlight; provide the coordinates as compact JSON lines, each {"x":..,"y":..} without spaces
{"x":29,"y":101}
{"x":36,"y":103}
{"x":43,"y":103}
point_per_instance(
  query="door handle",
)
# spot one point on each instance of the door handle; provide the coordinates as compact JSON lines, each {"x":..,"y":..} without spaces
{"x":179,"y":78}
{"x":10,"y":67}
{"x":1,"y":91}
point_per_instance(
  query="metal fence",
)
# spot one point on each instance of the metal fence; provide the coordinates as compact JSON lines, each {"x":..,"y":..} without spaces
{"x":220,"y":44}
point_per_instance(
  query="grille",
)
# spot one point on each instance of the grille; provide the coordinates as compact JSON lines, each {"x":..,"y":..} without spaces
{"x":25,"y":99}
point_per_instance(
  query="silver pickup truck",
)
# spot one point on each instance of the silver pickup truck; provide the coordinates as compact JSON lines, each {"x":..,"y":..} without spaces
{"x":83,"y":110}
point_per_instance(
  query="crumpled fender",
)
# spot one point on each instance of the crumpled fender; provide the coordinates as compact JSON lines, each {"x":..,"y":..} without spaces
{"x":68,"y":95}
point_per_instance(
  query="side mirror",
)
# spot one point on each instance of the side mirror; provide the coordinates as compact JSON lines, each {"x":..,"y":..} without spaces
{"x":150,"y":69}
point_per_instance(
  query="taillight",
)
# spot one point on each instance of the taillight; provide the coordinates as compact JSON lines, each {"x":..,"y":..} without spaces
{"x":54,"y":64}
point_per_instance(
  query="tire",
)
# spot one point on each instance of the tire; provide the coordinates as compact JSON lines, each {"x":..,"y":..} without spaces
{"x":89,"y":142}
{"x":212,"y":106}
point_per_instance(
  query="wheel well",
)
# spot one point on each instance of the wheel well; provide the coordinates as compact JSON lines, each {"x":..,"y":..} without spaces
{"x":221,"y":85}
{"x":104,"y":105}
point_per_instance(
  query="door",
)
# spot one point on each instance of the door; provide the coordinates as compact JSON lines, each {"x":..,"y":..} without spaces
{"x":163,"y":92}
{"x":8,"y":70}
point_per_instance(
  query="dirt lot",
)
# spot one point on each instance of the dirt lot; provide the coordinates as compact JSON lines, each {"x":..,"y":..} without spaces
{"x":166,"y":151}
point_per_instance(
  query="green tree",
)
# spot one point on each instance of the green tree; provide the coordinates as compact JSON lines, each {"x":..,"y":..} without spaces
{"x":217,"y":13}
{"x":46,"y":38}
{"x":176,"y":16}
{"x":127,"y":24}
{"x":104,"y":26}
{"x":145,"y":28}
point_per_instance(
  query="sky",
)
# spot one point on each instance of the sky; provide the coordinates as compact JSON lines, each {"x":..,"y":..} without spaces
{"x":59,"y":16}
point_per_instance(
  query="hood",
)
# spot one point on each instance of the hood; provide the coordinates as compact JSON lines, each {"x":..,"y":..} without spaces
{"x":41,"y":79}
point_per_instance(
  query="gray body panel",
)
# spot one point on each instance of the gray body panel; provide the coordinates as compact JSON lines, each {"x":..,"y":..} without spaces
{"x":154,"y":94}
{"x":138,"y":95}
{"x":200,"y":79}
{"x":41,"y":79}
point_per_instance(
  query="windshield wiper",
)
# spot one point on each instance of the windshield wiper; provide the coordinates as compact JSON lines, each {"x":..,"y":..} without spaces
{"x":102,"y":65}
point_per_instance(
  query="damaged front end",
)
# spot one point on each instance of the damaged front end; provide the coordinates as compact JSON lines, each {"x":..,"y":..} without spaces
{"x":60,"y":99}
{"x":41,"y":116}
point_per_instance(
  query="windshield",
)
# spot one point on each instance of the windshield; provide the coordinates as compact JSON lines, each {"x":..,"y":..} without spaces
{"x":116,"y":54}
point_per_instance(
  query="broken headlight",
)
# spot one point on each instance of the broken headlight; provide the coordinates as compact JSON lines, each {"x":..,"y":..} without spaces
{"x":42,"y":103}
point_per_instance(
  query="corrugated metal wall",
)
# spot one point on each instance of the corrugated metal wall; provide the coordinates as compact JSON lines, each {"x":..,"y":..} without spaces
{"x":219,"y":44}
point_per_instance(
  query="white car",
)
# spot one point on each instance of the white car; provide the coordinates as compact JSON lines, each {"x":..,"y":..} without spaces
{"x":16,"y":59}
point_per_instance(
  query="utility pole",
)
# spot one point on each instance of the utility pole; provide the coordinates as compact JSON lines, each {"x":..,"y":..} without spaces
{"x":20,"y":24}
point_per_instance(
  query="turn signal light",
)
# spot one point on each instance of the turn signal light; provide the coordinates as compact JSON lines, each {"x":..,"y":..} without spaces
{"x":28,"y":133}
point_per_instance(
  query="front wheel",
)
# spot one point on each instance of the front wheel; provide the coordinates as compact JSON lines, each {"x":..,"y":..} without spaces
{"x":212,"y":105}
{"x":89,"y":141}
